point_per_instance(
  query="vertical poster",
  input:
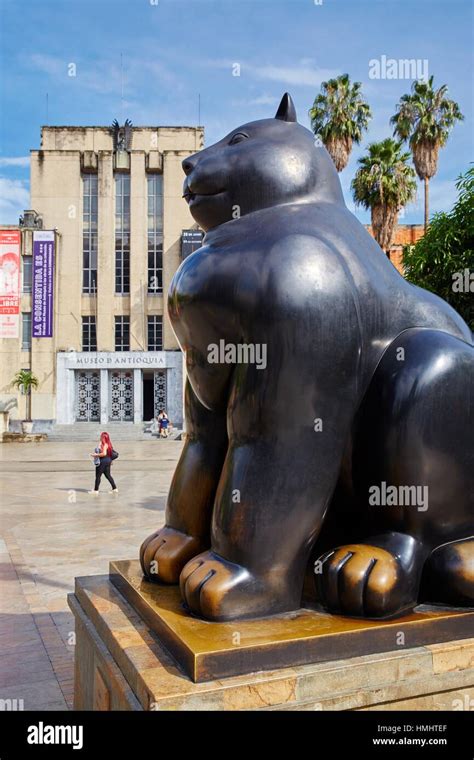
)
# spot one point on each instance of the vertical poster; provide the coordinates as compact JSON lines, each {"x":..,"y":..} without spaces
{"x":9,"y":283}
{"x":191,"y":240}
{"x":43,"y":284}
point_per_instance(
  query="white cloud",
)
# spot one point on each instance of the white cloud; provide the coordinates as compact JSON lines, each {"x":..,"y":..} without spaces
{"x":106,"y":76}
{"x":303,"y":75}
{"x":15,"y":161}
{"x":14,"y":198}
{"x":161,"y":73}
{"x":216,"y":63}
{"x":260,"y":100}
{"x":49,"y":64}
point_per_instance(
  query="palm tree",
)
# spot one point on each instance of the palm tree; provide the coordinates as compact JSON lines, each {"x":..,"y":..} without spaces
{"x":25,"y":380}
{"x":385,"y":183}
{"x":339,"y":116}
{"x":424,"y":119}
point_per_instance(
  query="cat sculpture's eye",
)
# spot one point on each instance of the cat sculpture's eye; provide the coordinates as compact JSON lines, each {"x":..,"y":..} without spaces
{"x":238,"y":137}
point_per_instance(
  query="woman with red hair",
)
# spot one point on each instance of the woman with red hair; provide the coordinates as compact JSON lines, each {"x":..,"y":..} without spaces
{"x":102,"y":460}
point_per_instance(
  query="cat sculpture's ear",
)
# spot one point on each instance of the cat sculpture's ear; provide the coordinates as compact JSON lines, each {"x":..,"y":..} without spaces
{"x":286,"y":109}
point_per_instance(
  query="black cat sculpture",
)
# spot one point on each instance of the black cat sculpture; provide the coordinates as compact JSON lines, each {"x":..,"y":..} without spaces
{"x":329,"y":402}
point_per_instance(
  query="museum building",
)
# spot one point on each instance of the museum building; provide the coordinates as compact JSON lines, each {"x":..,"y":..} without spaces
{"x":85,"y":308}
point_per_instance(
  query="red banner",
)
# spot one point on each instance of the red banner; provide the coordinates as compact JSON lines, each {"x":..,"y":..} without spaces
{"x":9,"y":283}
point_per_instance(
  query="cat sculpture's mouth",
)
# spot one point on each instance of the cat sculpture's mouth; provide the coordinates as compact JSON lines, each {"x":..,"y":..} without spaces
{"x":190,"y":196}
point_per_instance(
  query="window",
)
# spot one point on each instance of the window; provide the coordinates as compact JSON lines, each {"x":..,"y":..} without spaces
{"x":155,"y":233}
{"x":89,"y":233}
{"x":26,"y":331}
{"x":122,"y":233}
{"x":155,"y":333}
{"x":89,"y":334}
{"x":122,"y":333}
{"x":27,"y":273}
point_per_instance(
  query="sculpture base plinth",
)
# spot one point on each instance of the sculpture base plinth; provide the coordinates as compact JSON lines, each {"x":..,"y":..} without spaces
{"x":137,"y":648}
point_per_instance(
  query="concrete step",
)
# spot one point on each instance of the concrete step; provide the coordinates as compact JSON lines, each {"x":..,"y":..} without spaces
{"x":89,"y":431}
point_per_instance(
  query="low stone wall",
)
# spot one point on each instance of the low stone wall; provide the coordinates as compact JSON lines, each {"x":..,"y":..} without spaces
{"x":24,"y":437}
{"x":39,"y":426}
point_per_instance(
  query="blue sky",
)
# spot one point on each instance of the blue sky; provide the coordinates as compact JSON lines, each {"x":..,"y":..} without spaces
{"x":174,"y":50}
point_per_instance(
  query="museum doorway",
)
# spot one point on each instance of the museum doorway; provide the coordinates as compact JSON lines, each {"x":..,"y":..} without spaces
{"x":148,"y":396}
{"x":154,"y":393}
{"x":87,"y":396}
{"x":120,"y":396}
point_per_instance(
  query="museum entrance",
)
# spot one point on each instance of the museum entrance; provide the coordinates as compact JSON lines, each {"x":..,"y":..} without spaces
{"x":148,"y":402}
{"x":87,"y":396}
{"x":121,"y":396}
{"x":154,"y":393}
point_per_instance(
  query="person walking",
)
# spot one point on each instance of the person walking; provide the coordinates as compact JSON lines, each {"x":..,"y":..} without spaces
{"x":103,"y":459}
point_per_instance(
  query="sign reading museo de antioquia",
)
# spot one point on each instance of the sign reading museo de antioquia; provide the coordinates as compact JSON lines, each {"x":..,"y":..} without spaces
{"x":43,"y":284}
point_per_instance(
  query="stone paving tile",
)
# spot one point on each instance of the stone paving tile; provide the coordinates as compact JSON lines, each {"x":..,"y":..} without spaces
{"x":57,"y":705}
{"x":25,"y":676}
{"x":17,"y":642}
{"x":37,"y":696}
{"x":15,"y":624}
{"x":31,"y":657}
{"x":53,"y":531}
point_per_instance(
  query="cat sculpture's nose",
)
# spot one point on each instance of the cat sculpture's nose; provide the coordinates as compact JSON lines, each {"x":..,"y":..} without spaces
{"x":188,"y":165}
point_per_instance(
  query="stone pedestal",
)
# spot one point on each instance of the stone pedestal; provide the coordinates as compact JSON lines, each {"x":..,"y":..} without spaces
{"x":122,"y":664}
{"x":24,"y":437}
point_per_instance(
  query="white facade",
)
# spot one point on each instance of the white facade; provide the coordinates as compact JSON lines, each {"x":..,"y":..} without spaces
{"x":144,"y":380}
{"x":118,"y":214}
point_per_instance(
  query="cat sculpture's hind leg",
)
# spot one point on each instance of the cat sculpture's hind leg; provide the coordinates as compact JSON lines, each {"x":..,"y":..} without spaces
{"x":448,"y":576}
{"x":414,"y":449}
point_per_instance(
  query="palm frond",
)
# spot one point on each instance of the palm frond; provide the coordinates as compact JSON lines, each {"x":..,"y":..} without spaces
{"x":340,"y":115}
{"x":424,"y":119}
{"x":384,"y":183}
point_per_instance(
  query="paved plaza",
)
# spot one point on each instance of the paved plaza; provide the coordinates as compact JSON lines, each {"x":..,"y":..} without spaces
{"x":52,"y":530}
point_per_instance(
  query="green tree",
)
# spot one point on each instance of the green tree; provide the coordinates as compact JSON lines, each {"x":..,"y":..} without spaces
{"x":424,"y":118}
{"x":443,"y":259}
{"x":339,"y":116}
{"x":25,"y":381}
{"x":384,"y":183}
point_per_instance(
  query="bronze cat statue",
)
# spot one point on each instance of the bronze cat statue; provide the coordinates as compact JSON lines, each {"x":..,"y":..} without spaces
{"x":329,"y":404}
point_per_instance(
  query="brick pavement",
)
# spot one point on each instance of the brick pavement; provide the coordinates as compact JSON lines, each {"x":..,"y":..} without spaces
{"x":51,"y":531}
